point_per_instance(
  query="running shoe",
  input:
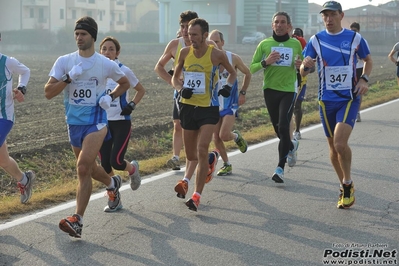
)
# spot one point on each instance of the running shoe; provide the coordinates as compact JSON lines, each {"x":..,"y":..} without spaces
{"x":135,"y":179}
{"x":297,"y":135}
{"x":181,"y":189}
{"x":349,"y":195}
{"x":340,"y":199}
{"x":114,"y":197}
{"x":26,"y":190}
{"x":292,"y":154}
{"x":173,"y":163}
{"x":358,"y":118}
{"x":193,"y":203}
{"x":213,"y":158}
{"x":241,"y":142}
{"x":227,"y":169}
{"x":72,"y":226}
{"x":278,"y":175}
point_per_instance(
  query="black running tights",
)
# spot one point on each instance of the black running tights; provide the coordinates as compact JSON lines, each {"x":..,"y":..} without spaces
{"x":280,"y":106}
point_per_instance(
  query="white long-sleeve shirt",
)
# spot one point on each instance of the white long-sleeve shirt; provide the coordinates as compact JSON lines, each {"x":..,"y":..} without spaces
{"x":10,"y":66}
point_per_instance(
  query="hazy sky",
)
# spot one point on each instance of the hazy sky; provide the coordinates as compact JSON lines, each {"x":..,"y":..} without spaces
{"x":347,"y":4}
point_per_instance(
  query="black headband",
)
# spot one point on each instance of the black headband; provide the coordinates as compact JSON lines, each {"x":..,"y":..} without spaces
{"x":90,"y":29}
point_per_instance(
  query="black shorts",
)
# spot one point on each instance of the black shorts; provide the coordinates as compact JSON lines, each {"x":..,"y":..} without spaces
{"x":193,"y":117}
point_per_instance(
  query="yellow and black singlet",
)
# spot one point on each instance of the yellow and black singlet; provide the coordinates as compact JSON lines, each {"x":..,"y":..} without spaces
{"x":202,"y":76}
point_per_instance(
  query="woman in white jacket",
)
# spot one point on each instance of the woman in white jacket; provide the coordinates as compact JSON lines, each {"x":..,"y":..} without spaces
{"x":113,"y":150}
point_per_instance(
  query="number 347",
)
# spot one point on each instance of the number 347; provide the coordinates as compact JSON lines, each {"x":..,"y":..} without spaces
{"x":338,"y":78}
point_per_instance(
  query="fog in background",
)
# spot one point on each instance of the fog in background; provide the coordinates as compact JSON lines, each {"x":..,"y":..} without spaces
{"x":378,"y":29}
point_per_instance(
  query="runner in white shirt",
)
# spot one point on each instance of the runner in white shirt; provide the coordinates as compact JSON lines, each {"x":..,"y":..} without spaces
{"x":82,"y":77}
{"x":8,"y":67}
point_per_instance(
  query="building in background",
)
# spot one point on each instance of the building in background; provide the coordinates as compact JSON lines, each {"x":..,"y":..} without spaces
{"x":142,"y":15}
{"x":220,"y":14}
{"x":297,"y":9}
{"x":53,"y":15}
{"x":234,"y":18}
{"x":375,"y":21}
{"x":315,"y":22}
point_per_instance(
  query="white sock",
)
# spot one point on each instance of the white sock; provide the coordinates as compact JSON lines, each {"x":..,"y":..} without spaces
{"x":80,"y":218}
{"x":24,"y":180}
{"x":112,"y":184}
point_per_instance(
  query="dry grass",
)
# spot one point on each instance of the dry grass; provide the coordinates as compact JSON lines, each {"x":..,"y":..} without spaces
{"x":59,"y":190}
{"x":55,"y":163}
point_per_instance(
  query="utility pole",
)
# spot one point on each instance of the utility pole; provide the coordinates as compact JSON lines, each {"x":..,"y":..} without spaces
{"x":279,"y":5}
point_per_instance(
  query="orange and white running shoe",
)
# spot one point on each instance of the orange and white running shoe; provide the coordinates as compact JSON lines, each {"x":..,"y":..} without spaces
{"x":181,"y":189}
{"x":213,"y":161}
{"x":193,"y":202}
{"x":72,"y":226}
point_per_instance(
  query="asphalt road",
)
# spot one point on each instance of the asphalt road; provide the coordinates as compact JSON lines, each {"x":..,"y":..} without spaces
{"x":243,"y":219}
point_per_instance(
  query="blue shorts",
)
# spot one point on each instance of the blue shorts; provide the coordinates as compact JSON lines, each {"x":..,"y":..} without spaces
{"x":77,"y":134}
{"x":301,"y":95}
{"x":332,"y":112}
{"x":5,"y":128}
{"x":225,"y":112}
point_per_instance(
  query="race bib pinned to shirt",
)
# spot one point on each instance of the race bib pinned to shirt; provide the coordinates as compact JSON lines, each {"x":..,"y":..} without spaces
{"x":195,"y":81}
{"x":338,"y":78}
{"x":286,"y":56}
{"x":83,"y":93}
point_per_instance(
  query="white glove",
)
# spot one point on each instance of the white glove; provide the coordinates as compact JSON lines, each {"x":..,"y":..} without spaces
{"x":105,"y":102}
{"x":76,"y":71}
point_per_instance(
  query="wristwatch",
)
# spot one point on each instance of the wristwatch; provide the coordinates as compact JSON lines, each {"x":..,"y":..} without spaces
{"x":22,"y":89}
{"x":263,"y":63}
{"x":243,"y":92}
{"x":365,"y":77}
{"x":65,"y":78}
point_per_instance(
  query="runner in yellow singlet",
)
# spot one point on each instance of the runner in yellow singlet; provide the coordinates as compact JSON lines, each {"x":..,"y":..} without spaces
{"x":171,"y":52}
{"x":199,"y":105}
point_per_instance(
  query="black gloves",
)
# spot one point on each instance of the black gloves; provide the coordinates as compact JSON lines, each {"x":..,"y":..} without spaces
{"x":127,"y":110}
{"x":186,"y":93}
{"x":22,"y":89}
{"x":225,"y":91}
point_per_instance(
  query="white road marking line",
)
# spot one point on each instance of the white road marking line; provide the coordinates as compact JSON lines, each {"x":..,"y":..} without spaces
{"x":71,"y":204}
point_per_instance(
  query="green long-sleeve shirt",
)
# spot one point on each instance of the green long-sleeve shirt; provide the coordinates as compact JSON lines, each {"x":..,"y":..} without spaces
{"x":281,"y":75}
